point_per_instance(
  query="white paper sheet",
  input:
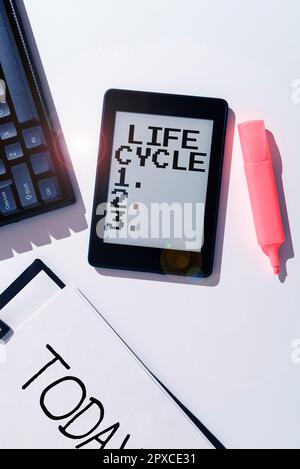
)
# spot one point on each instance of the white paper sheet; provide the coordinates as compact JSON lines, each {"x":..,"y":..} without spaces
{"x":114,"y":388}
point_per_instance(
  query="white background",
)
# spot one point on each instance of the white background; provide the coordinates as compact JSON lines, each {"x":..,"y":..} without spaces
{"x":224,"y":348}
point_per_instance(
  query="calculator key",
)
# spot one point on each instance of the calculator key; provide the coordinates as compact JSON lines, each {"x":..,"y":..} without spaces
{"x":2,"y":168}
{"x":41,"y":163}
{"x":8,"y":131}
{"x":49,"y":189}
{"x":24,"y":185}
{"x":4,"y":110}
{"x":13,"y":152}
{"x":34,"y":137}
{"x":7,"y":199}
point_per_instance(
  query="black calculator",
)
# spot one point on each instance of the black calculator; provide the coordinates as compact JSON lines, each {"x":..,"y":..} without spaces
{"x":34,"y":175}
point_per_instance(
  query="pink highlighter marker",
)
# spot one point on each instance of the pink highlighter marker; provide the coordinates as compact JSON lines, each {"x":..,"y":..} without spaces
{"x":263,"y":191}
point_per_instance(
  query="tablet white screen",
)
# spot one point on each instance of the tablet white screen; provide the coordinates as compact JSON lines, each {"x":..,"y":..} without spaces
{"x":158,"y":181}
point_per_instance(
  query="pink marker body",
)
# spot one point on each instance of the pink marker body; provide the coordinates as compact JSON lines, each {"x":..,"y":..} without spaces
{"x":262,"y":189}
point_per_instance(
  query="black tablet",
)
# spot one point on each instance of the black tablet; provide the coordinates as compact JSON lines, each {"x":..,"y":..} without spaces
{"x":158,"y":183}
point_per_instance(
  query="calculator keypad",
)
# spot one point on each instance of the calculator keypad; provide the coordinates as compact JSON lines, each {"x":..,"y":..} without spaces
{"x":7,"y":199}
{"x":27,"y":173}
{"x":13,"y":152}
{"x":49,"y":189}
{"x":8,"y":131}
{"x":24,"y":185}
{"x":34,"y":137}
{"x":33,"y":178}
{"x":2,"y":168}
{"x":41,"y":163}
{"x":4,"y":110}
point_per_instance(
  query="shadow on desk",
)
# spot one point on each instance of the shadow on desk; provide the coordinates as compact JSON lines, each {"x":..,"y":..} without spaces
{"x":214,"y":280}
{"x":38,"y":231}
{"x":287,"y":250}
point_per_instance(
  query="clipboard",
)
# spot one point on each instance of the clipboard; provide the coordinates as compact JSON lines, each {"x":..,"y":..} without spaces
{"x":35,"y":269}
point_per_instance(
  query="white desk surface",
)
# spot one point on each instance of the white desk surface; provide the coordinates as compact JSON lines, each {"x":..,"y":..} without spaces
{"x":225,"y":350}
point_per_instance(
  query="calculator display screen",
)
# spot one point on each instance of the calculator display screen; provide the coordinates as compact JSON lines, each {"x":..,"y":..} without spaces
{"x":158,"y":181}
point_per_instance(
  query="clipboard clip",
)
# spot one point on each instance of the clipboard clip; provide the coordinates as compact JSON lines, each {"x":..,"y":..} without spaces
{"x":6,"y":333}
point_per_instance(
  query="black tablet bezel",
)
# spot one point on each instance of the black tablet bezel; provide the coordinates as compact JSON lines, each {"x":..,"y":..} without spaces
{"x":145,"y":259}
